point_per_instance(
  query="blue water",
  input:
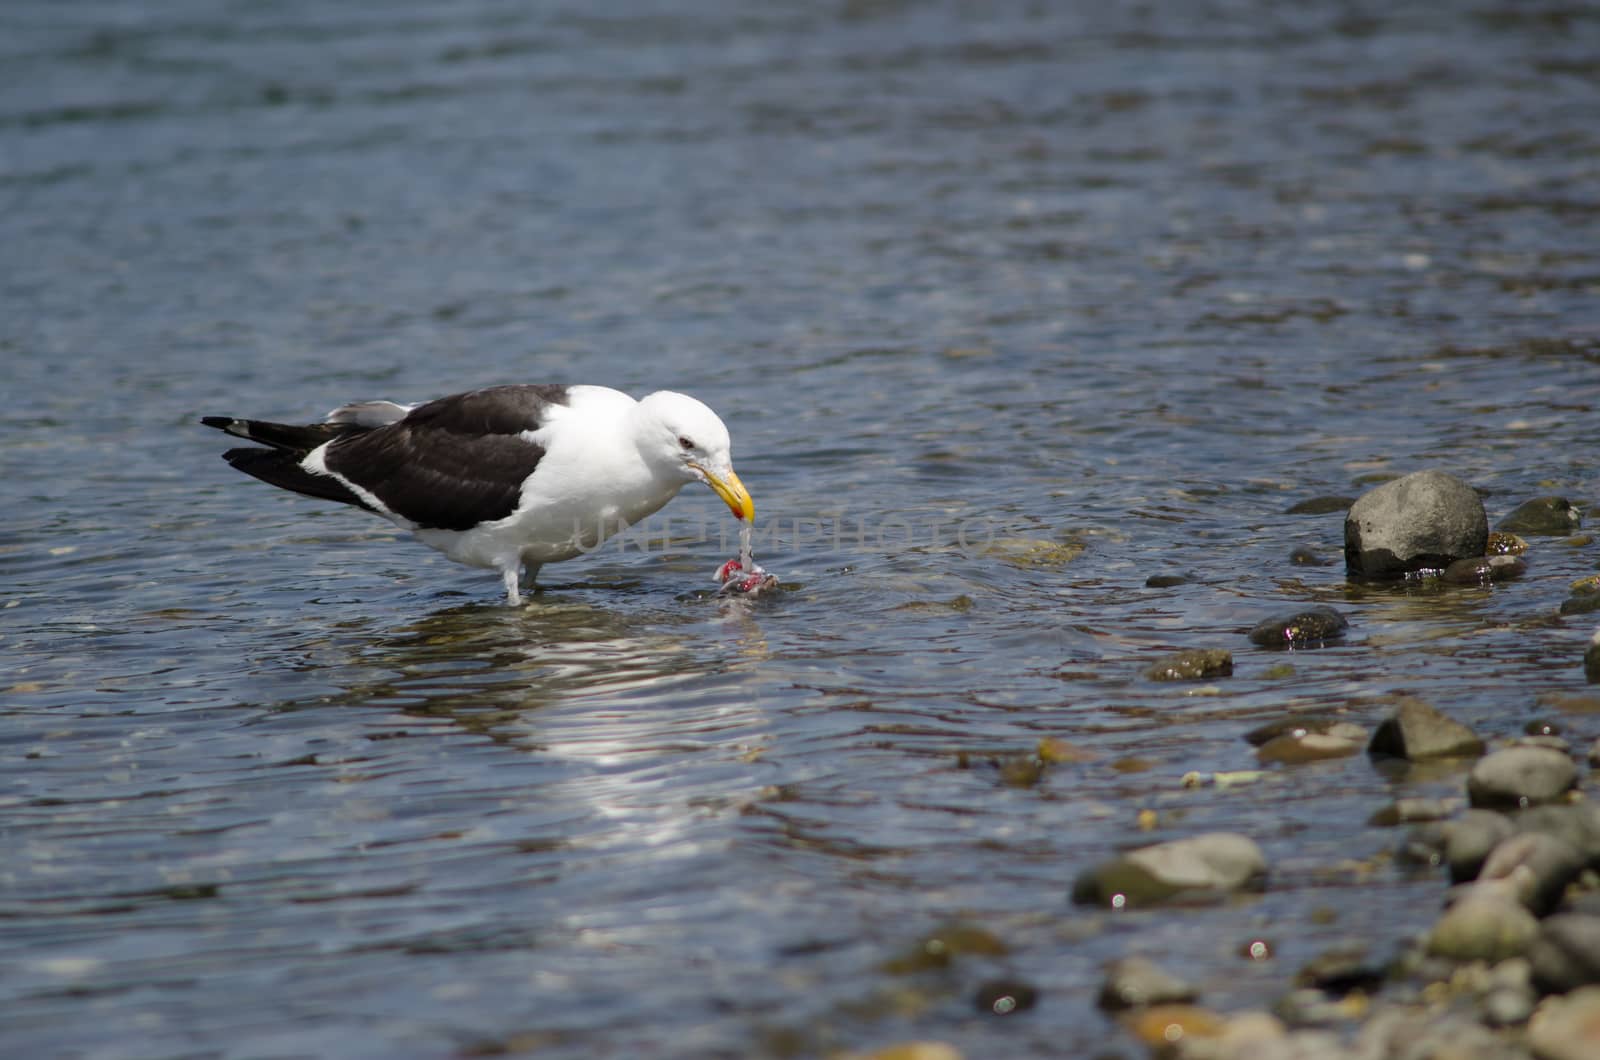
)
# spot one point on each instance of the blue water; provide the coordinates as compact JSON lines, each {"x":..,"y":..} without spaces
{"x":1123,"y":282}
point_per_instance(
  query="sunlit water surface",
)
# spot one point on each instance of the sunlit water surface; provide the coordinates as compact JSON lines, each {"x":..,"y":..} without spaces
{"x":1007,"y":312}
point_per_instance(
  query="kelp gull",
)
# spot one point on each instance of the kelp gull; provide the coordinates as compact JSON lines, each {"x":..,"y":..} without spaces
{"x":506,"y":477}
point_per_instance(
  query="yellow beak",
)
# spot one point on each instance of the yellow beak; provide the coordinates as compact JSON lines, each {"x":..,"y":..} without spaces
{"x":733,"y":494}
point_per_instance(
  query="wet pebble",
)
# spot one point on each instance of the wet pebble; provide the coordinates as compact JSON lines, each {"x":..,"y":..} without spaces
{"x":1567,"y":1028}
{"x":1566,"y":954}
{"x":1217,"y":862}
{"x":1297,"y":724}
{"x":1416,"y":729}
{"x":1520,"y":776}
{"x":1307,"y":628}
{"x":1484,"y":570}
{"x":1196,"y":664}
{"x":1423,"y":521}
{"x":1293,"y":748}
{"x":1551,"y":516}
{"x":1504,"y":544}
{"x":1137,"y":982}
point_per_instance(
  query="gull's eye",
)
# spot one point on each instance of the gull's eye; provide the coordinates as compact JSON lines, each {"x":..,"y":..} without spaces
{"x":685,"y":442}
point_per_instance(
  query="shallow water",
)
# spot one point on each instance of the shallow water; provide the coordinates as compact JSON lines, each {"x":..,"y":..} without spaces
{"x":1006,"y":313}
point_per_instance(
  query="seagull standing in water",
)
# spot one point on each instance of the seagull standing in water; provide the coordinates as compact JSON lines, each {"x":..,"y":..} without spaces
{"x":508,"y":477}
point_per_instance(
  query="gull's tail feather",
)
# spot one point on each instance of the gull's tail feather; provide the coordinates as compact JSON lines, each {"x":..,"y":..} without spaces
{"x":283,"y":468}
{"x":286,"y":436}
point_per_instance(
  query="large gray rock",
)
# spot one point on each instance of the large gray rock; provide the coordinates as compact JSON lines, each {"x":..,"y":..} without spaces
{"x":1424,"y":521}
{"x":1418,"y":730}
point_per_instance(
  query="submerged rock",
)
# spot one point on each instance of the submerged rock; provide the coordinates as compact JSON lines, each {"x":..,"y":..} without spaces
{"x":1217,"y":862}
{"x":1551,"y":516}
{"x":938,"y":949}
{"x":1311,"y":627}
{"x":1299,"y":724}
{"x":1293,"y":748}
{"x":1196,"y":664}
{"x":1424,"y":521}
{"x":1032,"y":553}
{"x":1591,"y":660}
{"x":1302,"y":556}
{"x":1419,"y":730}
{"x":1484,"y":570}
{"x":1325,"y":505}
{"x":1520,"y":776}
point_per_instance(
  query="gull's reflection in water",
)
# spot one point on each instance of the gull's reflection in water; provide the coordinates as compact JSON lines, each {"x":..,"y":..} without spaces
{"x":635,"y":722}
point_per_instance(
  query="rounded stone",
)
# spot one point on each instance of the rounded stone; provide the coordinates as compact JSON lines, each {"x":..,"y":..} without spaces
{"x":1484,"y":570}
{"x":1520,"y":776}
{"x":1539,"y":865}
{"x":1469,"y":839}
{"x":1484,"y":924}
{"x":1310,"y":627}
{"x":1567,"y":1028}
{"x":1566,"y":955}
{"x":1196,"y":664}
{"x":1552,"y":516}
{"x":1423,"y":521}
